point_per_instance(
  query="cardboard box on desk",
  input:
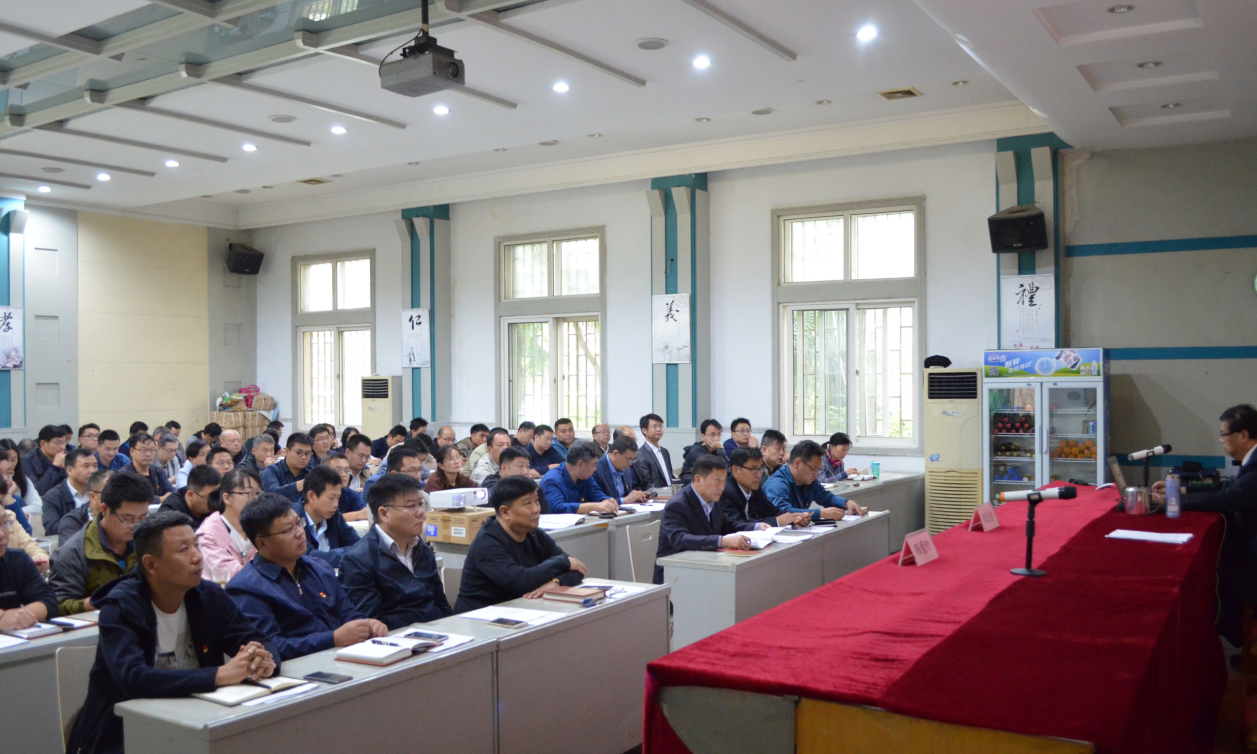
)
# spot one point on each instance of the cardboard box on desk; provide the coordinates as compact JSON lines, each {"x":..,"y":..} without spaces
{"x":457,"y":526}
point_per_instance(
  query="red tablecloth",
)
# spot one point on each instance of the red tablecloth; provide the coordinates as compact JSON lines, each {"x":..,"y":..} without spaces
{"x":1114,"y":646}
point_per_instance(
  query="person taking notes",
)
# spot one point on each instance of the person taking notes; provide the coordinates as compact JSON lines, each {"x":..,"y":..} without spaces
{"x":793,"y":488}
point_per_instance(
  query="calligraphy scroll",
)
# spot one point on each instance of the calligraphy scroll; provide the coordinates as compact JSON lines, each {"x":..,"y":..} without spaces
{"x":670,"y":325}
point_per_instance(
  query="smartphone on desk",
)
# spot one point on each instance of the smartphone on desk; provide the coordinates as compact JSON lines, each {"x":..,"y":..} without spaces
{"x":323,"y":677}
{"x":508,"y":623}
{"x":427,"y":636}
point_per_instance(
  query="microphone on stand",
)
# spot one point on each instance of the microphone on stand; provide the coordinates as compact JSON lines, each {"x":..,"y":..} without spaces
{"x":1160,"y":450}
{"x":1038,"y":496}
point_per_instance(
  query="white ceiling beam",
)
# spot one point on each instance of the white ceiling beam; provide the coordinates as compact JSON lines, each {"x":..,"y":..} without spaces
{"x":202,"y":8}
{"x":67,"y":42}
{"x":140,"y":107}
{"x":745,"y":30}
{"x":468,"y":91}
{"x":70,"y":161}
{"x":236,"y":83}
{"x":58,"y":128}
{"x":16,"y":177}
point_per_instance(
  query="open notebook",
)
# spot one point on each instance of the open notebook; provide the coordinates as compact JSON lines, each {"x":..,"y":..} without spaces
{"x":230,"y":696}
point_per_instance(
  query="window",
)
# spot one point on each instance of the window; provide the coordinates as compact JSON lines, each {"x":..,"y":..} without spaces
{"x":334,"y":316}
{"x":551,"y":308}
{"x":850,"y":286}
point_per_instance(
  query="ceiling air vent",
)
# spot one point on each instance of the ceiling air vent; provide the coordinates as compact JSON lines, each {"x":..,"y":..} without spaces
{"x":907,"y":93}
{"x":314,"y":181}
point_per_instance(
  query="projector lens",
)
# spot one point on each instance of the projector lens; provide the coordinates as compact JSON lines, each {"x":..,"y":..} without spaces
{"x":454,"y":70}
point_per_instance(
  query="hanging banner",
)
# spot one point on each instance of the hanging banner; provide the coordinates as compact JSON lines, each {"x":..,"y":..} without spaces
{"x":1027,"y":311}
{"x":416,"y":339}
{"x":670,"y":325}
{"x":12,"y":340}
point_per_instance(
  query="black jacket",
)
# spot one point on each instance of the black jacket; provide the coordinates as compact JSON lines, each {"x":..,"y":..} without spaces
{"x":737,"y":507}
{"x":21,"y":583}
{"x":126,"y":648}
{"x":1236,"y":500}
{"x":179,"y":504}
{"x":72,"y":522}
{"x":340,"y":536}
{"x":649,"y":474}
{"x":57,"y":502}
{"x":383,"y":588}
{"x":498,"y":568}
{"x":695,"y":452}
{"x":492,"y":480}
{"x":604,"y":475}
{"x":40,"y":471}
{"x":686,"y":527}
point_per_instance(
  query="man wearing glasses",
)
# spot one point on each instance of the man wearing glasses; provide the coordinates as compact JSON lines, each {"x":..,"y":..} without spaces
{"x":101,"y":551}
{"x":287,"y":477}
{"x":143,"y":455}
{"x":193,"y":501}
{"x":793,"y":488}
{"x":391,"y":573}
{"x":743,"y":499}
{"x":293,"y":599}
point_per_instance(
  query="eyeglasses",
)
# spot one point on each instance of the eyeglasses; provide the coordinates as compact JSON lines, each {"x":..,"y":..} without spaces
{"x":407,"y":508}
{"x":754,"y":469}
{"x":298,"y":453}
{"x":129,"y":522}
{"x":815,"y":469}
{"x":146,"y":450}
{"x":290,"y":531}
{"x":249,"y":494}
{"x":1227,"y":434}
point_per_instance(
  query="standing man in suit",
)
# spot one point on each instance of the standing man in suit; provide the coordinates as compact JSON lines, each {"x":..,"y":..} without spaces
{"x":744,"y":501}
{"x":1236,"y":500}
{"x":694,"y":520}
{"x":614,"y":472}
{"x":654,"y":464}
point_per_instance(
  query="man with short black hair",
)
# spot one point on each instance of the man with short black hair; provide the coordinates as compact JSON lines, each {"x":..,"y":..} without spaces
{"x":277,"y":589}
{"x":210,"y":434}
{"x":194,"y":501}
{"x":396,"y":436}
{"x":708,"y":444}
{"x":286,"y":477}
{"x":541,"y":452}
{"x":74,"y":521}
{"x":351,"y":504}
{"x":102,"y":551}
{"x":793,"y":488}
{"x":773,"y":447}
{"x":499,"y":440}
{"x":391,"y":573}
{"x":322,"y":435}
{"x":477,"y":436}
{"x":654,"y":463}
{"x":514,"y":462}
{"x":164,"y":633}
{"x":176,"y":429}
{"x":89,"y":437}
{"x":524,"y":434}
{"x":358,"y":454}
{"x":45,"y":465}
{"x":564,"y":436}
{"x":570,"y":488}
{"x":741,"y":437}
{"x":72,"y":493}
{"x":744,"y":500}
{"x":418,"y":426}
{"x":511,"y":557}
{"x":107,"y":456}
{"x":614,"y":472}
{"x":132,"y":431}
{"x":327,"y":533}
{"x":261,"y":456}
{"x":143,"y":453}
{"x":219,"y":459}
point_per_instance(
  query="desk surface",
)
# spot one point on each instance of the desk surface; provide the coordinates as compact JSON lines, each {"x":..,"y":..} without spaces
{"x":722,"y":561}
{"x":46,"y":646}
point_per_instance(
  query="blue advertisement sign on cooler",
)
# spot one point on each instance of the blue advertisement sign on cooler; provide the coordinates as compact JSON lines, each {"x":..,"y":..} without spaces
{"x":1064,"y":362}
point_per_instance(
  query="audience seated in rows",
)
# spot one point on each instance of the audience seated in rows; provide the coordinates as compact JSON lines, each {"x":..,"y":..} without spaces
{"x":499,"y":440}
{"x":541,"y":451}
{"x":654,"y":462}
{"x":792,"y":488}
{"x":74,"y":521}
{"x":327,"y":532}
{"x":615,"y":475}
{"x":571,"y":488}
{"x":449,"y":471}
{"x":197,"y":500}
{"x":220,"y":536}
{"x":71,"y":493}
{"x":286,"y":477}
{"x":261,"y":455}
{"x":744,"y":500}
{"x":708,"y":444}
{"x":102,"y":551}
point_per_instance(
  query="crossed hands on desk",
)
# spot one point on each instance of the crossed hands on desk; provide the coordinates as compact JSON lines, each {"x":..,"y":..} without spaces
{"x":251,"y":662}
{"x":573,"y":563}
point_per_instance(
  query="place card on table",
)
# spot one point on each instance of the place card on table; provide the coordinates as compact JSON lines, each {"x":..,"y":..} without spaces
{"x":918,"y":548}
{"x":984,"y":517}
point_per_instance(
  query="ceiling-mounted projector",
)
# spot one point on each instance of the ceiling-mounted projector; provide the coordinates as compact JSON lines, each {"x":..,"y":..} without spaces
{"x":425,"y":66}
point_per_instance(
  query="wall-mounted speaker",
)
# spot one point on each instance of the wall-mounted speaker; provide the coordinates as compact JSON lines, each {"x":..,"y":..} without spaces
{"x":243,"y":260}
{"x":1021,"y":228}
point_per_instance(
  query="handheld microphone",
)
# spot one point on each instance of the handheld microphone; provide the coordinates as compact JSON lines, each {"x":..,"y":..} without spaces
{"x":1054,"y":493}
{"x":1160,"y":450}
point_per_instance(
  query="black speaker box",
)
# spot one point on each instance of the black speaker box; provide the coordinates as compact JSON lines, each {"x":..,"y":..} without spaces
{"x":243,"y":260}
{"x":1016,"y":229}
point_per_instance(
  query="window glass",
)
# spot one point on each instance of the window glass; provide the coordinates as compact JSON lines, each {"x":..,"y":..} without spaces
{"x":820,"y":371}
{"x":529,"y":270}
{"x":353,"y":284}
{"x":580,"y":386}
{"x":578,"y":265}
{"x":355,"y":359}
{"x":315,"y":281}
{"x":883,"y":246}
{"x":529,"y":371}
{"x":816,"y":250}
{"x":887,"y":386}
{"x":318,"y":376}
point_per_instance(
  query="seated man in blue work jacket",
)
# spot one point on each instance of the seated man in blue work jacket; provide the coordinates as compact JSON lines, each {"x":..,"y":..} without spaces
{"x":541,"y":453}
{"x":694,"y":520}
{"x":614,"y":471}
{"x":164,"y":633}
{"x":744,"y":499}
{"x":571,"y":488}
{"x":391,"y":574}
{"x":287,"y":477}
{"x":327,"y":532}
{"x":792,"y":488}
{"x":295,"y":600}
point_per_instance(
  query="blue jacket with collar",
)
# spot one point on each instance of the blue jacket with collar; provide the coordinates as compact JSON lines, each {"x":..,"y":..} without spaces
{"x":279,"y":478}
{"x":298,"y":615}
{"x":383,"y":588}
{"x":566,"y":495}
{"x":540,"y":462}
{"x":788,"y":496}
{"x":604,"y":475}
{"x":41,"y":472}
{"x":119,"y":461}
{"x":350,"y":501}
{"x":340,"y":535}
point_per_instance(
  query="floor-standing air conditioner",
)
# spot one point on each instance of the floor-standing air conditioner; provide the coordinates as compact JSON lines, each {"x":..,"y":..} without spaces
{"x":381,"y":405}
{"x":953,"y":446}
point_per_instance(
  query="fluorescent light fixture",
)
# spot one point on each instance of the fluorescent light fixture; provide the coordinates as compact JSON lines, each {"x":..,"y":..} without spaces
{"x":561,"y":86}
{"x":172,"y":163}
{"x":249,"y":147}
{"x":702,"y":62}
{"x":44,"y":189}
{"x":338,"y":130}
{"x":867,"y":33}
{"x":103,"y":176}
{"x":441,"y":110}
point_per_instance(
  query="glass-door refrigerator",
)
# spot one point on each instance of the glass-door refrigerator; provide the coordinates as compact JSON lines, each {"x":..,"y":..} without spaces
{"x":1046,"y":418}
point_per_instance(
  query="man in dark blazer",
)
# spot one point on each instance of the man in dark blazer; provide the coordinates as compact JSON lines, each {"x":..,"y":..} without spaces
{"x":614,"y":472}
{"x":1236,"y":500}
{"x":694,"y":520}
{"x":651,"y":472}
{"x":744,"y":501}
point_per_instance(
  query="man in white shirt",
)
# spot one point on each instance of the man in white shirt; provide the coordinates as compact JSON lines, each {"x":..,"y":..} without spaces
{"x":80,"y":463}
{"x":499,"y":440}
{"x":654,"y":464}
{"x":358,"y":453}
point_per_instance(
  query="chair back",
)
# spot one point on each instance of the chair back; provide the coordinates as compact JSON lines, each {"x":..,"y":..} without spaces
{"x":73,"y":666}
{"x":643,"y":544}
{"x":452,"y":578}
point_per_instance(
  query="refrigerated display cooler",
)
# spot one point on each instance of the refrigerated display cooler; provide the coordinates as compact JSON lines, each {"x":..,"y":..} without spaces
{"x":1046,"y":418}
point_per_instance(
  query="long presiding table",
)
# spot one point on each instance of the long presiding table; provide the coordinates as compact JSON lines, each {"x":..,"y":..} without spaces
{"x":573,"y":684}
{"x":901,"y":493}
{"x":28,"y":686}
{"x":1114,"y":650}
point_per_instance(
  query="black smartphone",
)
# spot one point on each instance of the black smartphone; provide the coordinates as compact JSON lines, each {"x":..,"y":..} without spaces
{"x":507,"y":623}
{"x":426,"y":635}
{"x":322,"y":677}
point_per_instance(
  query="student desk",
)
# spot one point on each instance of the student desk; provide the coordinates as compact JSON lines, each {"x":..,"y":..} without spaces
{"x":587,"y":542}
{"x":28,"y":686}
{"x":712,"y":591}
{"x":433,"y":702}
{"x":901,"y":493}
{"x":617,"y":541}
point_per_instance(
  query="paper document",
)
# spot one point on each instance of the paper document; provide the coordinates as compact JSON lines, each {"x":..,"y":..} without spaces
{"x":1150,"y":536}
{"x":617,"y":591}
{"x":493,"y":612}
{"x":552,"y":521}
{"x":10,"y":641}
{"x":281,"y":695}
{"x":645,"y":506}
{"x":789,"y":536}
{"x":760,"y":539}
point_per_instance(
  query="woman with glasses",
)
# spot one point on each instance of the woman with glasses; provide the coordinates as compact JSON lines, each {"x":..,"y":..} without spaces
{"x":449,"y":474}
{"x":224,"y":548}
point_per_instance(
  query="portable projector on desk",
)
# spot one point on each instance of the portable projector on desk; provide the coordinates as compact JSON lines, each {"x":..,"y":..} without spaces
{"x":460,"y":498}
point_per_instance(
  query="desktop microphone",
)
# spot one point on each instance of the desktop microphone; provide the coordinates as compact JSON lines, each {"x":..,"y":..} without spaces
{"x":1160,"y":450}
{"x":1053,"y":493}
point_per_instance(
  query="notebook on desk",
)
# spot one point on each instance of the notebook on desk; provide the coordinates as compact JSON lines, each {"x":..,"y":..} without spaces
{"x":230,"y":696}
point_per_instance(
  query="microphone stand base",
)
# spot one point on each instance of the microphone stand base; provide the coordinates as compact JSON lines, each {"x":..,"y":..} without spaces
{"x":1028,"y":572}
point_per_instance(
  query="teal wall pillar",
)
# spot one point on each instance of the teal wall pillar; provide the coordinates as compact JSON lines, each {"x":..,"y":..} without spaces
{"x":680,"y":223}
{"x":7,"y":205}
{"x":428,"y":229}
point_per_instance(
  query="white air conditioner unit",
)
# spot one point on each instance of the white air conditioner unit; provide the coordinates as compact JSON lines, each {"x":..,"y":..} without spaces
{"x":381,"y":405}
{"x":953,"y":446}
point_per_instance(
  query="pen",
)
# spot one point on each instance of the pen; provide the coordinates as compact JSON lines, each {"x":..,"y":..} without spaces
{"x":385,"y":643}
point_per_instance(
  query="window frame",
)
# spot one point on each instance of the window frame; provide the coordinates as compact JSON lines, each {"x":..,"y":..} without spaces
{"x":851,"y":295}
{"x":554,"y":308}
{"x":335,"y":319}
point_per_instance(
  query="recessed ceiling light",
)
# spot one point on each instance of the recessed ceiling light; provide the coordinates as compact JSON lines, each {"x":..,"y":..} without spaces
{"x":103,"y":176}
{"x":824,"y":102}
{"x":652,"y":43}
{"x":44,"y":189}
{"x":867,"y":33}
{"x":703,"y":120}
{"x":249,"y":147}
{"x":561,"y":86}
{"x":1171,"y":105}
{"x":441,"y":110}
{"x":1150,"y":64}
{"x":595,"y":136}
{"x":244,"y":191}
{"x":282,"y":119}
{"x":960,"y":82}
{"x":338,"y":130}
{"x":172,"y":163}
{"x":500,"y":149}
{"x":1121,"y":9}
{"x":53,"y":170}
{"x":702,"y":62}
{"x":412,"y":163}
{"x":550,"y":143}
{"x":762,"y":111}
